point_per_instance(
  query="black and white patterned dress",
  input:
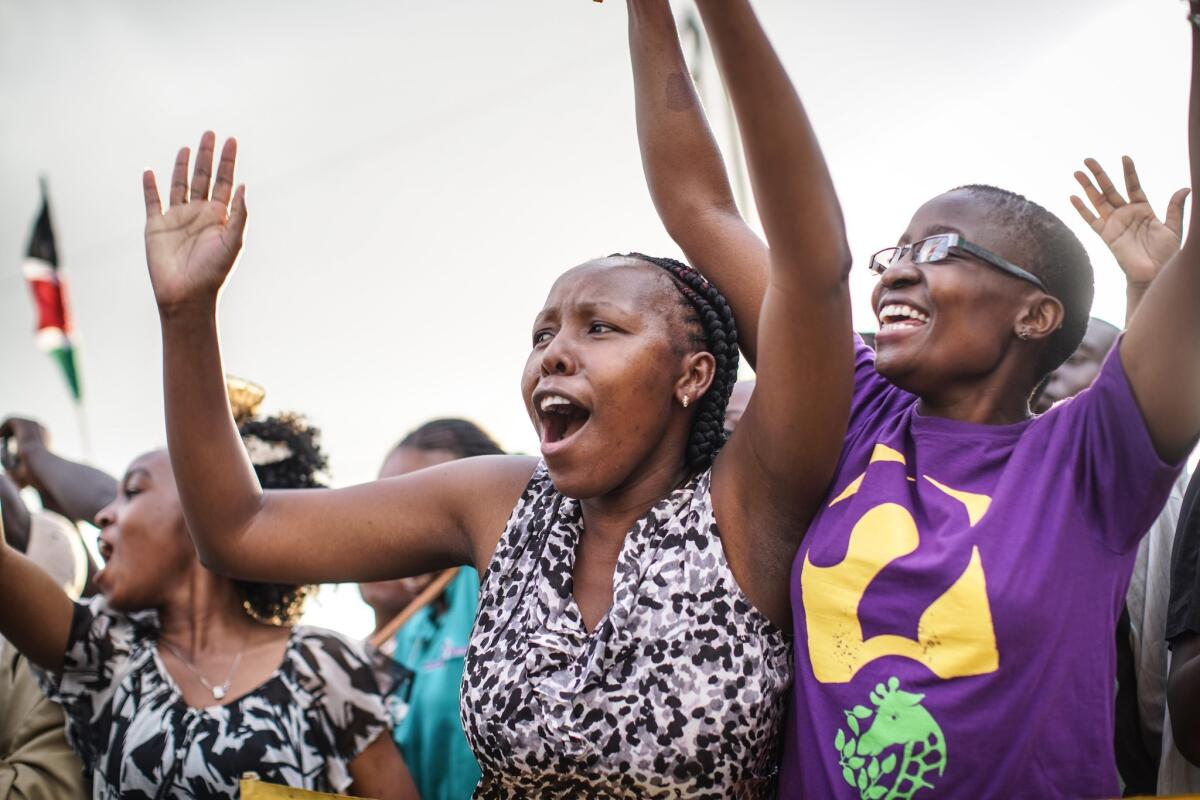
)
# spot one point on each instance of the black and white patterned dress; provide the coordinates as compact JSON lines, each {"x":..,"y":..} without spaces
{"x":677,"y":693}
{"x":138,"y":739}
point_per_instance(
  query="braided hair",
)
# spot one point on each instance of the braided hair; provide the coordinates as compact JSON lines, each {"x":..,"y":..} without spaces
{"x":712,"y":329}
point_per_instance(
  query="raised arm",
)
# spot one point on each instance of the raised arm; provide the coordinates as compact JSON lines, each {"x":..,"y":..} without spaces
{"x":1161,"y":350}
{"x":685,"y":172}
{"x":14,"y":514}
{"x":430,"y":520}
{"x":787,"y":444}
{"x":35,"y":613}
{"x":69,"y":488}
{"x":1140,"y":242}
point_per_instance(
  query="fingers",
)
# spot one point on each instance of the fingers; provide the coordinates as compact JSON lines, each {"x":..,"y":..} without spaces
{"x":150,"y":190}
{"x":203,"y":169}
{"x":237,"y":217}
{"x":1174,"y":220}
{"x":179,"y":179}
{"x":1106,"y":185}
{"x":225,"y":170}
{"x":1102,"y":206}
{"x":1133,"y":185}
{"x":1085,"y":212}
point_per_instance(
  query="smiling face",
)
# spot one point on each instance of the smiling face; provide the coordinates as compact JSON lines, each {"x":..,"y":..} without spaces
{"x":609,"y":366}
{"x":143,"y":538}
{"x":954,"y":320}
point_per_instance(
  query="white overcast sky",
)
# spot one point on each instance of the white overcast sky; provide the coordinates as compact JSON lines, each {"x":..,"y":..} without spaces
{"x":419,"y":173}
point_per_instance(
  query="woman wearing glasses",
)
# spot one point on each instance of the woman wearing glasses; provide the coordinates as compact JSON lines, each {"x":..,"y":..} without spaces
{"x":955,"y":594}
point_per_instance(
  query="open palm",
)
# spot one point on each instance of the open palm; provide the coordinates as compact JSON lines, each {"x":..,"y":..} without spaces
{"x":191,"y":248}
{"x":1141,"y":243}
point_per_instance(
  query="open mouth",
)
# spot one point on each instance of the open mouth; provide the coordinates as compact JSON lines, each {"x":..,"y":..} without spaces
{"x":106,"y":553}
{"x":901,"y":316}
{"x":561,"y":418}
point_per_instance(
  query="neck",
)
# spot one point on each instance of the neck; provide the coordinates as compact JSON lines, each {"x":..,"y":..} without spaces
{"x":203,"y":611}
{"x":608,"y":518}
{"x":985,"y":408}
{"x":1000,"y":397}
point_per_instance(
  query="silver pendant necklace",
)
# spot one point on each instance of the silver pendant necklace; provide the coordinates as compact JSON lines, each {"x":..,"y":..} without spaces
{"x":221,"y":689}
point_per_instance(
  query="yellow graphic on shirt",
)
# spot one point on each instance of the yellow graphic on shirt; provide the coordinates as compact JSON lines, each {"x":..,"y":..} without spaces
{"x":955,"y":635}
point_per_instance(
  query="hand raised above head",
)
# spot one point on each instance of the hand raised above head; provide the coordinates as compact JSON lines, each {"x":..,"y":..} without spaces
{"x":20,"y":436}
{"x":191,"y":248}
{"x":1138,"y":239}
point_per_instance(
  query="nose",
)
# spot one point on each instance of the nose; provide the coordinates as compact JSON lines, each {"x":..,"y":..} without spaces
{"x":105,"y":517}
{"x":903,"y":273}
{"x":557,"y":358}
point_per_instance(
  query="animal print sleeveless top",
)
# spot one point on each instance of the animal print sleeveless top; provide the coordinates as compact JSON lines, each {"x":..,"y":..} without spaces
{"x":677,"y":693}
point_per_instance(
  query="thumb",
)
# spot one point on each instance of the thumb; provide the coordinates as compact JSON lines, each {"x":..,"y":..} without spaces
{"x":1174,"y":217}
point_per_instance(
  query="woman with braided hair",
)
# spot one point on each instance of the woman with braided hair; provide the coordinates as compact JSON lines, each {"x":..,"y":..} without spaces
{"x":630,"y":638}
{"x":956,"y":591}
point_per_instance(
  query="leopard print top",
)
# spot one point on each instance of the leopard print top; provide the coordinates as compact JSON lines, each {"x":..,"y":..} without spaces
{"x":677,"y":693}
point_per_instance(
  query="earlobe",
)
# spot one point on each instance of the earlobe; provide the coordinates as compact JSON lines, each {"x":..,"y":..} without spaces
{"x":697,"y":378}
{"x":1042,"y":319}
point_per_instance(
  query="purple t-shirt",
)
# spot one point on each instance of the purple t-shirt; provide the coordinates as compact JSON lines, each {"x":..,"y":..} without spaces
{"x":956,"y":597}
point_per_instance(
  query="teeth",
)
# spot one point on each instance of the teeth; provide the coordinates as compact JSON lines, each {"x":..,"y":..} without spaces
{"x":554,"y":400}
{"x":889,"y":313}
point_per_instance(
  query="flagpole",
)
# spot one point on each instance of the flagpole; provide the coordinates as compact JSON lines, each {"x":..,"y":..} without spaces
{"x":85,"y":435}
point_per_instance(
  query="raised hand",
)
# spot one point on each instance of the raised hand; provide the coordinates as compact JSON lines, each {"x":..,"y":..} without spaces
{"x":191,"y":248}
{"x":20,"y":437}
{"x":1139,"y":240}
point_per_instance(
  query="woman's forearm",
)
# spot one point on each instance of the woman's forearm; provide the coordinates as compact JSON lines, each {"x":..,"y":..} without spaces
{"x":792,"y":185}
{"x":683,"y":165}
{"x":75,"y":490}
{"x":35,"y":613}
{"x":685,"y":172}
{"x":217,"y":486}
{"x":1161,"y":350}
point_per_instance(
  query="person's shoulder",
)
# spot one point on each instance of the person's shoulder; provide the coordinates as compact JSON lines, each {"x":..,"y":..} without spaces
{"x":96,"y":609}
{"x":321,"y":657}
{"x":315,"y":637}
{"x":503,"y":472}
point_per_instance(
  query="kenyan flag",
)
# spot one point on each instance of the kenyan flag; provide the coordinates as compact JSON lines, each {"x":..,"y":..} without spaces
{"x":53,"y":323}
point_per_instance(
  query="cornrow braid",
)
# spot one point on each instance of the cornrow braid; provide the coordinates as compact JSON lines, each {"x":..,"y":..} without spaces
{"x":713,"y":330}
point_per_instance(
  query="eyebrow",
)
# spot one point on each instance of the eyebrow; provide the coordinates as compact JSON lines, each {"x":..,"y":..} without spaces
{"x":934,"y":230}
{"x":596,"y":305}
{"x":134,"y":472}
{"x":585,"y":306}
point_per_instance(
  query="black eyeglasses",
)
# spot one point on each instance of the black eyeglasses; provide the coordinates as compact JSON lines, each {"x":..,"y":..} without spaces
{"x":937,"y":248}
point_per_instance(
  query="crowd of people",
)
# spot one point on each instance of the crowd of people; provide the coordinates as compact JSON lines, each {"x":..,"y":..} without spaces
{"x":957,"y":558}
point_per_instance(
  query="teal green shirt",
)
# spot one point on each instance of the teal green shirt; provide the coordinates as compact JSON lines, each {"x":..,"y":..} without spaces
{"x":430,"y":737}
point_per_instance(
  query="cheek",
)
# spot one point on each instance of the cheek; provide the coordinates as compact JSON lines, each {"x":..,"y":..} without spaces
{"x":637,"y":391}
{"x":876,"y":291}
{"x":976,"y":309}
{"x":529,"y":379}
